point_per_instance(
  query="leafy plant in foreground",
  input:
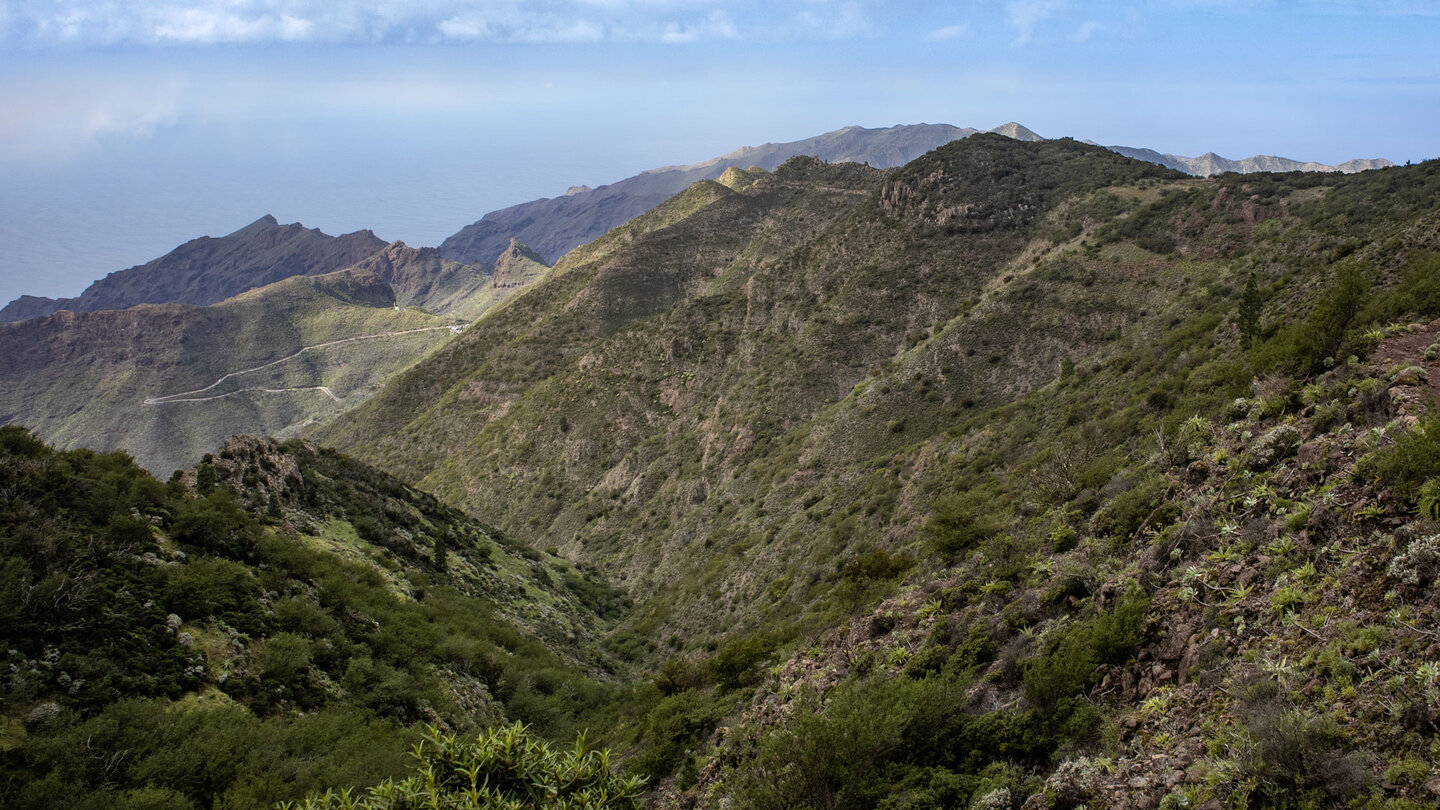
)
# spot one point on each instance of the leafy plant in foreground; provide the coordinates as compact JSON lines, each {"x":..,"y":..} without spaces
{"x":502,"y":769}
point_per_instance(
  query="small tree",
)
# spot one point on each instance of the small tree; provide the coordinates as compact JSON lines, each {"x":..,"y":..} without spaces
{"x":1249,"y":316}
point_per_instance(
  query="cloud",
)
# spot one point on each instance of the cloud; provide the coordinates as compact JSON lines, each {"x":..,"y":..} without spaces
{"x":842,"y":22}
{"x":948,"y":32}
{"x":201,"y":22}
{"x":716,"y":26}
{"x":1025,"y":15}
{"x":1087,"y":29}
{"x":201,"y":25}
{"x":57,"y":117}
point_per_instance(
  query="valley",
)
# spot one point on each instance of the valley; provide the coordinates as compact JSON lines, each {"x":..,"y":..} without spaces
{"x":1019,"y":474}
{"x":191,"y":396}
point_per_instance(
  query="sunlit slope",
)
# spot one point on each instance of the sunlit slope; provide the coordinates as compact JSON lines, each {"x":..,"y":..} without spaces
{"x":168,"y":383}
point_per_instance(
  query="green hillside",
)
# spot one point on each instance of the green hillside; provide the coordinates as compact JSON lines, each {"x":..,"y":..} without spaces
{"x":951,"y":402}
{"x":279,"y":620}
{"x":1022,"y":476}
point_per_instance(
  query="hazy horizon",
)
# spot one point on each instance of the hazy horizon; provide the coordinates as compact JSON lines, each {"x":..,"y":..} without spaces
{"x":135,"y":128}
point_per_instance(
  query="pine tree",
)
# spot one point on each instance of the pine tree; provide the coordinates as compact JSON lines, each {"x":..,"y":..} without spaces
{"x":1250,"y":306}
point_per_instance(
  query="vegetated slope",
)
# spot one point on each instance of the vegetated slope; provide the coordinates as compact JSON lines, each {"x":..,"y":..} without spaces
{"x":985,"y":383}
{"x":207,"y":270}
{"x":1206,"y":601}
{"x":644,"y":408}
{"x":279,"y":620}
{"x":166,"y":384}
{"x":553,"y":226}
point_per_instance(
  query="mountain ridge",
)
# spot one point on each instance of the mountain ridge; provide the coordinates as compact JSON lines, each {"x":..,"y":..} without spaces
{"x":208,"y":269}
{"x":555,"y":225}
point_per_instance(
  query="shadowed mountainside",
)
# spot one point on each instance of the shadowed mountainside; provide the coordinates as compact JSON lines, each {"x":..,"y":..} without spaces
{"x":208,"y":270}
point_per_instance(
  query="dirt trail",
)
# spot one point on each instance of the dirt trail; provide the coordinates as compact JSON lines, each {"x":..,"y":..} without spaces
{"x":189,"y":396}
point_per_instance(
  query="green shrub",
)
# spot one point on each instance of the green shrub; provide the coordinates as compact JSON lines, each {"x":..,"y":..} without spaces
{"x":1407,"y":464}
{"x":503,"y":769}
{"x":1297,"y":760}
{"x":1071,"y":662}
{"x":734,"y":664}
{"x":209,"y":586}
{"x":960,"y":522}
{"x":1125,"y":513}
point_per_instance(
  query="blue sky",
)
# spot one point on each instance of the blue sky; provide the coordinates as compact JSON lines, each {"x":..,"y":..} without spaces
{"x":134,"y":125}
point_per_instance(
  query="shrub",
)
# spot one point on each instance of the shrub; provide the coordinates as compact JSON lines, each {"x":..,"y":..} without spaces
{"x":1407,"y":464}
{"x":1297,"y":760}
{"x":503,"y":769}
{"x":1419,"y":565}
{"x":733,"y":665}
{"x":959,"y":522}
{"x":1070,"y":664}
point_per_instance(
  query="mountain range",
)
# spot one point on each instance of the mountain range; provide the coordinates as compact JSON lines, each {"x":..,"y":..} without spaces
{"x":207,"y":270}
{"x":1021,"y":475}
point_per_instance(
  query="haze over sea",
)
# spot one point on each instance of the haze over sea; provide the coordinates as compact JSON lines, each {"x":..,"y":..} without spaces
{"x":133,"y":126}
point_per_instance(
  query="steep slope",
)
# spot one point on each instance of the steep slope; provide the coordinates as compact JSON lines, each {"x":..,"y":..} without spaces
{"x":666,"y":367}
{"x":944,"y":459}
{"x":423,"y":278}
{"x":169,"y":383}
{"x":207,"y":270}
{"x":553,"y":226}
{"x":278,"y":620}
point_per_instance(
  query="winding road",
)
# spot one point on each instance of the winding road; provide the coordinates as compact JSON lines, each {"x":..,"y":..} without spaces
{"x":190,"y":396}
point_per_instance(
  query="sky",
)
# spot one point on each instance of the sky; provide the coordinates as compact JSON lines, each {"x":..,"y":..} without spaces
{"x":131,"y":126}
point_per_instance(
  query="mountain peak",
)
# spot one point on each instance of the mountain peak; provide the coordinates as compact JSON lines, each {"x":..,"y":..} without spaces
{"x":518,"y":250}
{"x":1017,"y":131}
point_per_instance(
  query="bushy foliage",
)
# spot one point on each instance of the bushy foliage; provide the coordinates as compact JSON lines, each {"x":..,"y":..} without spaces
{"x":1293,"y":759}
{"x":1070,"y":663}
{"x":123,"y":599}
{"x":1407,"y":464}
{"x":502,"y":769}
{"x":878,"y":742}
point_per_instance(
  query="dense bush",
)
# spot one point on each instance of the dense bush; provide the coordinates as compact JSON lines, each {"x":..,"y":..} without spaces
{"x":1409,"y":462}
{"x":880,"y":742}
{"x":502,"y":769}
{"x":1070,"y":664}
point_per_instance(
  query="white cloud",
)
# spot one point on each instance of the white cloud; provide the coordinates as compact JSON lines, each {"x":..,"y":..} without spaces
{"x":948,"y":32}
{"x":716,"y":26}
{"x":1025,"y":15}
{"x":554,"y":31}
{"x":56,"y":117}
{"x":204,"y":25}
{"x":1086,"y":31}
{"x":466,"y":26}
{"x":842,"y":22}
{"x":158,"y":22}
